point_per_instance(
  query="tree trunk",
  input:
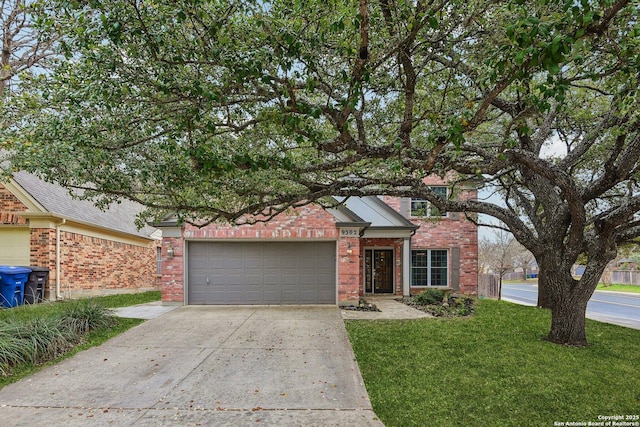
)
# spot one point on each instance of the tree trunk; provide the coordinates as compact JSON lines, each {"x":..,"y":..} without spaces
{"x":568,"y":322}
{"x":569,"y":301}
{"x":545,"y":294}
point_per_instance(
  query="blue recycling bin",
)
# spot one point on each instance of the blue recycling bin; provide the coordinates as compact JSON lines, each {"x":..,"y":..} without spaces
{"x":12,"y":280}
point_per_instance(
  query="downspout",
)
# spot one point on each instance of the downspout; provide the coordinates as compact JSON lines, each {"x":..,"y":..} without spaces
{"x":58,"y":295}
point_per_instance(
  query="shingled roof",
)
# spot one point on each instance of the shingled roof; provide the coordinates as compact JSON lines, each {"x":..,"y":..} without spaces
{"x":56,"y":199}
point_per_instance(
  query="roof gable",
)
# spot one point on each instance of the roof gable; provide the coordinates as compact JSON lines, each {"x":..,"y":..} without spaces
{"x":373,"y":210}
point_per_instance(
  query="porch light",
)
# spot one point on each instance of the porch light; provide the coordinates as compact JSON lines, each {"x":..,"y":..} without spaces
{"x":349,"y":249}
{"x":170,"y":252}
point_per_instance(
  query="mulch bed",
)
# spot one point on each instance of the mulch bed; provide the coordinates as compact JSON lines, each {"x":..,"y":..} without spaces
{"x":454,"y":306}
{"x":362,"y":306}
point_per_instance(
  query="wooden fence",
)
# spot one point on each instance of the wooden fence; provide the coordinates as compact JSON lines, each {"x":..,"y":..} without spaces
{"x":488,"y":286}
{"x":625,"y":277}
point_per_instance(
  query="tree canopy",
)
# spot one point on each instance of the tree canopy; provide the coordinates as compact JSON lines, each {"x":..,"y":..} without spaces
{"x":232,"y":109}
{"x":25,"y":40}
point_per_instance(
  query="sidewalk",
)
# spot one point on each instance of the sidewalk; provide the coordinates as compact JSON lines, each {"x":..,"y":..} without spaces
{"x":147,"y":311}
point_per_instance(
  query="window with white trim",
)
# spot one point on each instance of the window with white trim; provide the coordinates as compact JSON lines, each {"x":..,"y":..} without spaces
{"x":423,"y":208}
{"x":429,"y":267}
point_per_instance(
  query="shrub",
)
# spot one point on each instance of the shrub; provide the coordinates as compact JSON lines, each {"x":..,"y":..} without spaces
{"x":13,"y":349}
{"x":429,"y":297}
{"x":461,"y":305}
{"x":41,"y":338}
{"x":85,"y":315}
{"x":32,"y":342}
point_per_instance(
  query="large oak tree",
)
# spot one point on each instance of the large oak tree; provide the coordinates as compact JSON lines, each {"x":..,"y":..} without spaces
{"x":238,"y":110}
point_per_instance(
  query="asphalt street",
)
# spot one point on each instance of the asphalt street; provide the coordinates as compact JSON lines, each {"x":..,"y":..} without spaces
{"x":612,"y":307}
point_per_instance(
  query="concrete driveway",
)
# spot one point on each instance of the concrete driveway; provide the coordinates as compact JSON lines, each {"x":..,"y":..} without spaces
{"x":205,"y":366}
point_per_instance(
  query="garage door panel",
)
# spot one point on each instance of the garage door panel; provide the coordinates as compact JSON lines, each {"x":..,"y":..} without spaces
{"x":325,"y":294}
{"x":214,"y":294}
{"x":325,"y":278}
{"x":251,"y":298}
{"x":289,"y":279}
{"x":237,"y":263}
{"x":252,"y":279}
{"x":271,"y":297}
{"x":307,"y":298}
{"x":310,"y":263}
{"x":200,"y":264}
{"x":261,"y":273}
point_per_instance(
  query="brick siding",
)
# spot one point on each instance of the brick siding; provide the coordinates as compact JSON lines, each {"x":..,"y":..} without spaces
{"x":89,"y":265}
{"x":307,"y":222}
{"x":449,"y":232}
{"x":92,"y":265}
{"x":349,"y":271}
{"x":173,"y":270}
{"x":9,"y":206}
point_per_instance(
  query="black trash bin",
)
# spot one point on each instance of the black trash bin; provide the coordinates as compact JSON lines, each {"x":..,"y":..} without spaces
{"x":35,"y":285}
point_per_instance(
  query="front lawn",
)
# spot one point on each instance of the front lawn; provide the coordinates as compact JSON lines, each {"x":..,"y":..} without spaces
{"x":619,"y":288}
{"x":33,"y":336}
{"x":494,"y":369}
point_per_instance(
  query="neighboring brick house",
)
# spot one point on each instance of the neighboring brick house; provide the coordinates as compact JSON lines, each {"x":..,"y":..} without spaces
{"x":88,"y":251}
{"x":310,"y":255}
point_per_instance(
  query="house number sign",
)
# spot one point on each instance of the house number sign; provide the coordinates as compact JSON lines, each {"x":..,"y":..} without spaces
{"x":349,"y":232}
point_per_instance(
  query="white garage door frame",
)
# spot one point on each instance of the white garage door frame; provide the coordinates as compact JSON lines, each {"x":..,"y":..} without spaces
{"x":189,"y":242}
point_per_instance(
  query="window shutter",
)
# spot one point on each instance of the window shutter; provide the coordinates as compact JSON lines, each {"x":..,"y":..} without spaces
{"x":455,"y":268}
{"x":405,"y":204}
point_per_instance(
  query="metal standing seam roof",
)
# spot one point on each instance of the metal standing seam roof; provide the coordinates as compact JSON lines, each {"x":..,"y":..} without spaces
{"x":57,"y":200}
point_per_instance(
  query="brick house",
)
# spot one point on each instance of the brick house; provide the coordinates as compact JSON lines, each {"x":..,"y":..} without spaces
{"x":310,"y":255}
{"x":88,"y":251}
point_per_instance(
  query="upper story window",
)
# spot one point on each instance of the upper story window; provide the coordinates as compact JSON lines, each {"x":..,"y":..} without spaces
{"x":422,"y":208}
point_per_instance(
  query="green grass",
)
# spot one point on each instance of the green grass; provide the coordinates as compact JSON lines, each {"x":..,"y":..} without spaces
{"x":521,"y":282}
{"x":53,"y":309}
{"x":53,"y":331}
{"x":619,"y":288}
{"x":494,"y":369}
{"x":601,"y":287}
{"x":125,"y":300}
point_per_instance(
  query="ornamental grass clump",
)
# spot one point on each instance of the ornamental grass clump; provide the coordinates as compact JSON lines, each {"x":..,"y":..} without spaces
{"x":32,"y":341}
{"x":84,"y":316}
{"x":35,"y":340}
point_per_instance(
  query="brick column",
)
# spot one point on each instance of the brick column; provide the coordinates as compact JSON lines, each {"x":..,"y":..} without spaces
{"x":349,"y":271}
{"x":173,"y":270}
{"x":43,"y":254}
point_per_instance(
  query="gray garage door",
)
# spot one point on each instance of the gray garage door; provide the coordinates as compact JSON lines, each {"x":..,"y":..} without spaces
{"x":262,"y":273}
